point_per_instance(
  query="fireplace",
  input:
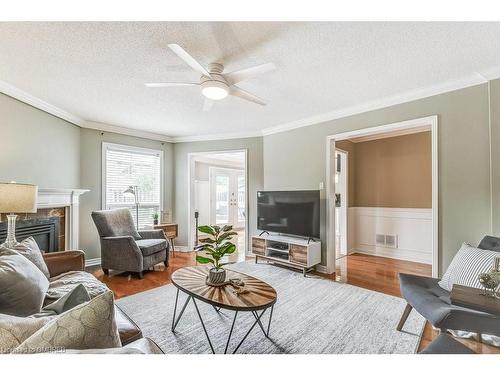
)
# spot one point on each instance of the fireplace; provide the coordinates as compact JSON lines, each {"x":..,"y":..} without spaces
{"x":55,"y":224}
{"x":45,"y":231}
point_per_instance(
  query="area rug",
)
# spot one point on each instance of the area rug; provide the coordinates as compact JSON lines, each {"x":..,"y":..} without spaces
{"x":312,"y":315}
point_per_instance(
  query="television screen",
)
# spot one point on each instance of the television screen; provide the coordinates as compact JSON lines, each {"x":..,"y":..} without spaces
{"x":289,"y":212}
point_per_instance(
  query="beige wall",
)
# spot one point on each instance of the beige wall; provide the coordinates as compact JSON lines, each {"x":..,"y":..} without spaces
{"x":464,"y":161}
{"x":36,"y":147}
{"x":390,"y":172}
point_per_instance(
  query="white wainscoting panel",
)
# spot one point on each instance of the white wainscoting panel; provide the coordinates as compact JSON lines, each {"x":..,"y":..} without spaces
{"x":412,"y":226}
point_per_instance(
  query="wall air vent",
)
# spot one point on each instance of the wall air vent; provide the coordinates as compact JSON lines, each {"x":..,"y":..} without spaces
{"x":380,"y":239}
{"x":386,"y":240}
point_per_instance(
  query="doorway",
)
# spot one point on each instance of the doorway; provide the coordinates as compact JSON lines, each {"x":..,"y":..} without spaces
{"x":218,"y":195}
{"x":227,"y":197}
{"x":405,"y":233}
{"x":341,"y":202}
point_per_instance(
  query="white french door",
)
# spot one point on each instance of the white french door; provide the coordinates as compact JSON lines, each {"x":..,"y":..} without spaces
{"x":227,"y":197}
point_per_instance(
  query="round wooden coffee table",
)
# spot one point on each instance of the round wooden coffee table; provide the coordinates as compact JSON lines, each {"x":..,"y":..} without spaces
{"x":257,"y":299}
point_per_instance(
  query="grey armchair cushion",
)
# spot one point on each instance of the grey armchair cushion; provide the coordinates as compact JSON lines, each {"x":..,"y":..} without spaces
{"x":152,"y":246}
{"x":113,"y":223}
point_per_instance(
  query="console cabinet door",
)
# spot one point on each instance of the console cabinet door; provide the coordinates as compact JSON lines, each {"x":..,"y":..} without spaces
{"x":259,"y":246}
{"x":298,"y":254}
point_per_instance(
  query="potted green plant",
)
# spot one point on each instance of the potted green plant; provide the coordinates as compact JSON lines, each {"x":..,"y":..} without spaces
{"x":215,"y":246}
{"x":155,"y":218}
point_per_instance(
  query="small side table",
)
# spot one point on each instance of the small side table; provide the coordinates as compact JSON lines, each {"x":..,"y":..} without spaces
{"x":171,"y":231}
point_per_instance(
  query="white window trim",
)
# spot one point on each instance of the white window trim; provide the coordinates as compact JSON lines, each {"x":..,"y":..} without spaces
{"x":120,"y":147}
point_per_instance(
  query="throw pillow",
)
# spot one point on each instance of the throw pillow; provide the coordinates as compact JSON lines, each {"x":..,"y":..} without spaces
{"x":14,"y":330}
{"x":23,"y":285}
{"x":90,"y":325}
{"x":62,"y":284}
{"x":29,"y":248}
{"x":73,"y":298}
{"x":466,"y":266}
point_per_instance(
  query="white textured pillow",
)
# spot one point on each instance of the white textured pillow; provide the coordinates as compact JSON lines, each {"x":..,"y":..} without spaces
{"x":90,"y":325}
{"x":15,"y":329}
{"x":466,"y":266}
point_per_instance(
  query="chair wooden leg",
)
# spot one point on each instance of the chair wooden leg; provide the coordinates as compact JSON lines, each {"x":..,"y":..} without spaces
{"x":166,"y":263}
{"x":140,"y":274}
{"x":402,"y":321}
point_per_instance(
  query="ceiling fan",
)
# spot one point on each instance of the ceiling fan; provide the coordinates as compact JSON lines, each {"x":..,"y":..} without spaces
{"x":214,"y":84}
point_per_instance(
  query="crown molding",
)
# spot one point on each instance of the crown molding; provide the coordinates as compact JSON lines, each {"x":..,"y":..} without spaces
{"x":216,"y":137}
{"x":471,"y":80}
{"x":390,"y":134}
{"x":23,"y":96}
{"x":126,"y":131}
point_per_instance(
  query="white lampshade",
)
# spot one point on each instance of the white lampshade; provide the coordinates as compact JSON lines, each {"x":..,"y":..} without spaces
{"x":18,"y":198}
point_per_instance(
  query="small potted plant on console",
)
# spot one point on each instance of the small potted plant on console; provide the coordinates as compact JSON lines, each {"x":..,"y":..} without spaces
{"x":155,"y":218}
{"x":215,"y":247}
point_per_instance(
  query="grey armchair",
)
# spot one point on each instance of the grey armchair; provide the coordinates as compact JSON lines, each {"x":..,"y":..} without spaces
{"x":124,"y":248}
{"x":433,"y":302}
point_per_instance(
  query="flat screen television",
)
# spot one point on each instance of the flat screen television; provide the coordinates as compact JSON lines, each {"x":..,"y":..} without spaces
{"x":289,"y":212}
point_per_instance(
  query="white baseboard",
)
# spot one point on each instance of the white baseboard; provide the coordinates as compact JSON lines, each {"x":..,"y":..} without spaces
{"x":181,"y":249}
{"x":92,"y":262}
{"x":401,"y":254}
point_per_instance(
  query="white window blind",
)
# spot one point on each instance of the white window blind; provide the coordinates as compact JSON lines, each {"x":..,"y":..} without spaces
{"x":126,"y":166}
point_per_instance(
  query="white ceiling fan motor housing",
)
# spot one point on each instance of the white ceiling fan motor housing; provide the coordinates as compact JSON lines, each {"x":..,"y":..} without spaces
{"x":214,"y":87}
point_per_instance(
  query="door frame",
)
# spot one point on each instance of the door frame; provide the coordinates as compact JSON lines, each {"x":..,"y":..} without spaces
{"x":344,"y":213}
{"x":210,"y":171}
{"x":190,"y":187}
{"x":402,"y":126}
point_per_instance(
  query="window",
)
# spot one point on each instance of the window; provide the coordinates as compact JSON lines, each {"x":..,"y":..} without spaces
{"x":139,"y":168}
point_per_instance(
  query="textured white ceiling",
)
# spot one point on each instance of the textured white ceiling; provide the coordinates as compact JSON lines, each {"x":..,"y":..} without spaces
{"x":97,"y":70}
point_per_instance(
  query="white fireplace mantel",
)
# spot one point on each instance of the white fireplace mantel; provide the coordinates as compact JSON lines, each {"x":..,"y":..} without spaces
{"x":69,"y":199}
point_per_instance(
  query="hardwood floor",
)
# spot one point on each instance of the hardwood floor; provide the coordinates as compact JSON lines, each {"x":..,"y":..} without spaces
{"x":370,"y":272}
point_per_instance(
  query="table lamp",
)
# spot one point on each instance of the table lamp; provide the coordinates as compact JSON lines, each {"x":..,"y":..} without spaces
{"x":16,"y":198}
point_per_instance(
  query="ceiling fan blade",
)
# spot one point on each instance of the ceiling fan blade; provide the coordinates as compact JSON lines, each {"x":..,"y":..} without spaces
{"x":188,"y":59}
{"x":243,"y":74}
{"x":239,"y":92}
{"x":208,"y":104}
{"x":170,"y":84}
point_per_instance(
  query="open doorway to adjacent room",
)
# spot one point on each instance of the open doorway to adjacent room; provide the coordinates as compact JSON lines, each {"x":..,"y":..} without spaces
{"x":383,"y":203}
{"x":218,"y":195}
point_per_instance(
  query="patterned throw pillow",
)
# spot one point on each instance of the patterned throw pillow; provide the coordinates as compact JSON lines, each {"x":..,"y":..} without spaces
{"x":15,"y":329}
{"x":466,"y":266}
{"x":90,"y":325}
{"x":29,"y":248}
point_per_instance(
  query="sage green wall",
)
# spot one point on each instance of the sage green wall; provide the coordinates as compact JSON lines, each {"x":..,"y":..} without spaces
{"x":37,"y":147}
{"x":495,"y":153}
{"x":91,"y":178}
{"x":464,"y":160}
{"x":255,"y":177}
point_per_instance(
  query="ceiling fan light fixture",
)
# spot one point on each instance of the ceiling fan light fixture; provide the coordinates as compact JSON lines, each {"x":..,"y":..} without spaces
{"x":215,"y":90}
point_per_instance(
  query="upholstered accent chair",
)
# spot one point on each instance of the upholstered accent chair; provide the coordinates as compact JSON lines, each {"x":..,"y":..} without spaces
{"x":433,"y":302}
{"x":124,"y":248}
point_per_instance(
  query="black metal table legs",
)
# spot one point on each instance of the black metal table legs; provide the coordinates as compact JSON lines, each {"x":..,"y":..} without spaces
{"x":256,"y":314}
